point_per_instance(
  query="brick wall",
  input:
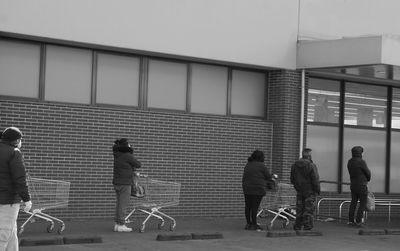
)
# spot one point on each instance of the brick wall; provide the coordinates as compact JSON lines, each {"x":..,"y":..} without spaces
{"x":206,"y":154}
{"x":284,"y":102}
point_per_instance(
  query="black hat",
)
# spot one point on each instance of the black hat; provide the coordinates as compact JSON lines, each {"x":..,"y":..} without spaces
{"x":122,"y":142}
{"x":11,"y":134}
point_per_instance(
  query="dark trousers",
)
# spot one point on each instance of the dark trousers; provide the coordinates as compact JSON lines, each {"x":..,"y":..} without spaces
{"x":305,"y":208}
{"x":358,"y":193}
{"x":252,"y":203}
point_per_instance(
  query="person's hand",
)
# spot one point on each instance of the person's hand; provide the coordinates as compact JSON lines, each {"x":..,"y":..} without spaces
{"x":27,"y":206}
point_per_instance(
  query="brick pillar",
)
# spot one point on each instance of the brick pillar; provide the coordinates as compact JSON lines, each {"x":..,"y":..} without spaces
{"x":284,"y":105}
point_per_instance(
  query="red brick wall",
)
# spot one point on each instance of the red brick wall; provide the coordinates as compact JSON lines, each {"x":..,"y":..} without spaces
{"x":206,"y":154}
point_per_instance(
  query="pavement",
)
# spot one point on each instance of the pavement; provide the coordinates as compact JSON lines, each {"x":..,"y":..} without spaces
{"x":217,"y":234}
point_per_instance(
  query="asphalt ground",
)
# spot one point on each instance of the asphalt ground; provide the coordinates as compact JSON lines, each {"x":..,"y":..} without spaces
{"x":219,"y":234}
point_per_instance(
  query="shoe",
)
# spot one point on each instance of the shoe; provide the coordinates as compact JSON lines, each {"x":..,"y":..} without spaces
{"x":247,"y":227}
{"x":123,"y":229}
{"x":351,"y":224}
{"x":360,"y":225}
{"x":258,"y":228}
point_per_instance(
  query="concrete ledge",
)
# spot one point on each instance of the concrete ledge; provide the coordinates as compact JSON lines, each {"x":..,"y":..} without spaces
{"x":204,"y":236}
{"x":39,"y":241}
{"x":392,"y":231}
{"x":281,"y":233}
{"x":174,"y":237}
{"x":79,"y":239}
{"x":308,"y":233}
{"x":371,"y":232}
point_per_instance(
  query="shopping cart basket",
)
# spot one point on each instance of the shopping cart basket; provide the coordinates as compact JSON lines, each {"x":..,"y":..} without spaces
{"x":157,"y":195}
{"x":280,"y":202}
{"x":46,"y":194}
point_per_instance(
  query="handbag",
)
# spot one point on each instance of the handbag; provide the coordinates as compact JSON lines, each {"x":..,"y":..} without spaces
{"x":370,"y":206}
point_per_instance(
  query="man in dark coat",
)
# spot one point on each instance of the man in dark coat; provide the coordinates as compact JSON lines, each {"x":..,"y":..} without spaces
{"x":360,"y":175}
{"x":13,"y":187}
{"x":304,"y":176}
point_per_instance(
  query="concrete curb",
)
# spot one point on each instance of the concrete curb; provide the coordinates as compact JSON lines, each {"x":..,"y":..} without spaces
{"x":392,"y":231}
{"x":60,"y":240}
{"x":308,"y":233}
{"x":205,"y":236}
{"x":371,"y":232}
{"x":281,"y":233}
{"x":174,"y":237}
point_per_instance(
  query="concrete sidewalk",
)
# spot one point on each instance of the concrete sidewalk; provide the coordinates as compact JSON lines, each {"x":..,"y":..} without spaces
{"x":336,"y":236}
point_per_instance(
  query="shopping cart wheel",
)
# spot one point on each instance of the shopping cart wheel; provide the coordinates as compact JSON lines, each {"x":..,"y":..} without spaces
{"x":61,"y":229}
{"x":269,"y":227}
{"x":161,"y":224}
{"x":141,"y":229}
{"x":172,"y":227}
{"x":21,"y":229}
{"x":50,"y":227}
{"x":285,"y":224}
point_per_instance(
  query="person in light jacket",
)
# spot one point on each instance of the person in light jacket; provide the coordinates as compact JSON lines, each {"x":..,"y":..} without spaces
{"x":360,"y":175}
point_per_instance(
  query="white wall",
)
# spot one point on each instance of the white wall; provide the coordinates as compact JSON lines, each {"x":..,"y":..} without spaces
{"x":252,"y":32}
{"x":332,"y":19}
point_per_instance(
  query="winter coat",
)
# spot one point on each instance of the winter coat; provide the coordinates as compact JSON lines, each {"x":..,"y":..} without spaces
{"x":305,"y":178}
{"x":124,"y":165}
{"x":13,"y":186}
{"x":255,"y":178}
{"x":359,"y":172}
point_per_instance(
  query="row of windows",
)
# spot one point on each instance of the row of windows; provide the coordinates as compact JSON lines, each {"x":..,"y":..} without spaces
{"x":75,"y":75}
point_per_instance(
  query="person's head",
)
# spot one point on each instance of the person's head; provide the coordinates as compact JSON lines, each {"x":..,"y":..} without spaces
{"x":122,"y":142}
{"x":357,"y":151}
{"x":257,"y":155}
{"x":12,"y":135}
{"x":122,"y":145}
{"x":306,"y":153}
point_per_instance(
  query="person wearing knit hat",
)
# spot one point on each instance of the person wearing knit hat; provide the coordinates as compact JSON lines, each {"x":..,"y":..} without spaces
{"x":360,"y":175}
{"x":13,"y":187}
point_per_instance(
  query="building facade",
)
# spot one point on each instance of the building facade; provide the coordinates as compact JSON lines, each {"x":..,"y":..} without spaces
{"x":196,"y":86}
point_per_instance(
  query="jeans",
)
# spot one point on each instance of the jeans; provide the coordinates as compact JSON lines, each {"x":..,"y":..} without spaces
{"x":358,"y":193}
{"x":8,"y":227}
{"x":123,"y":193}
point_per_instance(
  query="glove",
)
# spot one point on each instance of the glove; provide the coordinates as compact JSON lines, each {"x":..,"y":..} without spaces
{"x":27,"y":206}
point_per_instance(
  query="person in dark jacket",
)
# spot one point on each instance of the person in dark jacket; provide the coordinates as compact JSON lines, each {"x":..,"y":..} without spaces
{"x":254,"y":182}
{"x":13,"y":187}
{"x":125,"y":164}
{"x":304,"y":176}
{"x":360,"y":175}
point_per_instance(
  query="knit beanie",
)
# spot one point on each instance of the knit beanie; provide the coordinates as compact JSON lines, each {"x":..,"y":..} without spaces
{"x":11,"y":134}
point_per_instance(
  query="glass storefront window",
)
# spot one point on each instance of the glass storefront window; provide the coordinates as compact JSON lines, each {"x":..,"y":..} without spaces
{"x":396,"y":109}
{"x":374,"y":144}
{"x":365,"y":105}
{"x":323,"y":100}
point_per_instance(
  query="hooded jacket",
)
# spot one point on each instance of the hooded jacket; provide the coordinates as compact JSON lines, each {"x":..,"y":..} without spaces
{"x":124,"y":165}
{"x":13,"y":186}
{"x":255,"y":178}
{"x":304,"y":176}
{"x":359,"y":172}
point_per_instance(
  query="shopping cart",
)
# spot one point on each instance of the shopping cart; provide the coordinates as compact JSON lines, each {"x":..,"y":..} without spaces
{"x":281,"y":203}
{"x":46,"y":194}
{"x":157,"y":195}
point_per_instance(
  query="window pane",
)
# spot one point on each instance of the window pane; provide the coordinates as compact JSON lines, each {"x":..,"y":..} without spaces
{"x":19,"y":69}
{"x":209,"y":89}
{"x":365,"y":105}
{"x":117,"y":80}
{"x":324,"y":155}
{"x":167,"y":85}
{"x":323,"y":100}
{"x":395,"y":163}
{"x":396,"y":109}
{"x":248,"y":92}
{"x":68,"y":74}
{"x":374,"y":144}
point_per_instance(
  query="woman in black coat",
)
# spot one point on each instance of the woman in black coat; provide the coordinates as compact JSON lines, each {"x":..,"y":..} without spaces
{"x":254,"y":183}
